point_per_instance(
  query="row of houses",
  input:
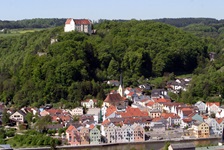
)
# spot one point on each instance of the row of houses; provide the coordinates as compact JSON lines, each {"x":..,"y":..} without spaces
{"x":117,"y":121}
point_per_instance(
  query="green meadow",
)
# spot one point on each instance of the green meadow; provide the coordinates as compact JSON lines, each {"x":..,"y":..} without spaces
{"x":17,"y":32}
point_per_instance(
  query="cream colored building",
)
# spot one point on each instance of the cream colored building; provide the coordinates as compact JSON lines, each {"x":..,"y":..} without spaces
{"x":200,"y":130}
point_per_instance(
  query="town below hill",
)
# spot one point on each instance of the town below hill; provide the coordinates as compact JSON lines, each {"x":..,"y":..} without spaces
{"x":126,"y":115}
{"x":60,"y":85}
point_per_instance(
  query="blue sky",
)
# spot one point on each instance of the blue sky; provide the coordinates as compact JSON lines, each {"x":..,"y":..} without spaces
{"x":110,"y":9}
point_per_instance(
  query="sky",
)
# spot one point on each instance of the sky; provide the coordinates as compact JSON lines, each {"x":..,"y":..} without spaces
{"x":110,"y":9}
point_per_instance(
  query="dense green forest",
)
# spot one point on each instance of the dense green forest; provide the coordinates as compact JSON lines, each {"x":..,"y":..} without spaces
{"x":76,"y":66}
{"x":31,"y":23}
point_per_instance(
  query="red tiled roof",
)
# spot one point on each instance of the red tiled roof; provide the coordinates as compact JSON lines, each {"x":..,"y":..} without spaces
{"x":187,"y":112}
{"x":131,"y":93}
{"x":150,"y":103}
{"x":53,"y":111}
{"x":105,"y":122}
{"x":68,"y":21}
{"x":192,"y":114}
{"x":91,"y":126}
{"x":162,"y":100}
{"x":116,"y":97}
{"x":111,"y":109}
{"x":82,"y":21}
{"x":211,"y":103}
{"x":133,"y":112}
{"x":157,"y":119}
{"x":138,"y":90}
{"x":70,"y":128}
{"x":171,"y":115}
{"x":187,"y":120}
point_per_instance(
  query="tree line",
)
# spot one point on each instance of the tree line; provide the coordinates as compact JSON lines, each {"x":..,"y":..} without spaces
{"x":32,"y":23}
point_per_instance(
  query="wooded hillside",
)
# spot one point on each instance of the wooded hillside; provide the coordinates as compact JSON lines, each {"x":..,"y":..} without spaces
{"x":77,"y":64}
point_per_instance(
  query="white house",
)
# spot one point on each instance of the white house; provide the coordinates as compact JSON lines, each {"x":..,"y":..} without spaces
{"x":89,"y":103}
{"x":201,"y":106}
{"x":77,"y":111}
{"x":214,"y":125}
{"x":80,"y":25}
{"x":128,"y":133}
{"x":18,"y":116}
{"x":213,"y":107}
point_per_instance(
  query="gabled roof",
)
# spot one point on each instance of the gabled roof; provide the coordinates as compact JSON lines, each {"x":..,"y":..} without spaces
{"x":116,"y":97}
{"x":68,"y":21}
{"x":22,"y":113}
{"x":111,"y":109}
{"x":199,"y":102}
{"x":70,"y":128}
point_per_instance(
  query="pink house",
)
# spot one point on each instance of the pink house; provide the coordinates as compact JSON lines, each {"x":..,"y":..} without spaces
{"x":73,"y":135}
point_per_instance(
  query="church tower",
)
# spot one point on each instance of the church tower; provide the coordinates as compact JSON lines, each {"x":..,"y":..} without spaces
{"x":121,"y":88}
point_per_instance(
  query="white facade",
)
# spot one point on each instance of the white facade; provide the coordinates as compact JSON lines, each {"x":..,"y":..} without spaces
{"x":88,"y":103}
{"x":77,"y":111}
{"x":80,"y":25}
{"x":70,"y":26}
{"x":17,"y":117}
{"x":201,"y":106}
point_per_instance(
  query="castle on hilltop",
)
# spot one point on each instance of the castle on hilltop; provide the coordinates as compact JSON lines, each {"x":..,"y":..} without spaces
{"x":80,"y":25}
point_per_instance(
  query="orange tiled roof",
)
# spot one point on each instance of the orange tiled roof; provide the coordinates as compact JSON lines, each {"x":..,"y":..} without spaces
{"x":211,"y":103}
{"x":157,"y":119}
{"x":187,"y":120}
{"x":171,"y":115}
{"x":150,"y":103}
{"x":53,"y":111}
{"x":130,"y":112}
{"x":70,"y":128}
{"x":82,"y":21}
{"x":192,"y":114}
{"x":105,"y":122}
{"x":116,"y":97}
{"x":162,"y":100}
{"x":68,"y":21}
{"x":131,"y":93}
{"x":91,"y":126}
{"x":111,"y":109}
